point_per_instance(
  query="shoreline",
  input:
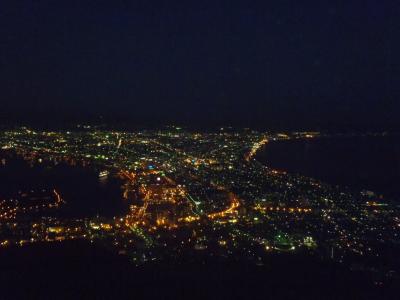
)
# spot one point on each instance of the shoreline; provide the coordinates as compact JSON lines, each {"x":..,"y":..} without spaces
{"x":327,"y":162}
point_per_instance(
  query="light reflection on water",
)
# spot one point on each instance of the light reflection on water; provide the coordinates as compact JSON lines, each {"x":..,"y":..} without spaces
{"x":85,"y":193}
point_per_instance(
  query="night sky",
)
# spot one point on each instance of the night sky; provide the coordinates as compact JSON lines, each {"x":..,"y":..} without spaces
{"x":280,"y":64}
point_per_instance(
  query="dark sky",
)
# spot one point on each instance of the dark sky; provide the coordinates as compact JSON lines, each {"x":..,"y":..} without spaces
{"x":280,"y":63}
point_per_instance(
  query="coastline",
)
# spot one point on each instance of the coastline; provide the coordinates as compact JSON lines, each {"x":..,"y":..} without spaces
{"x":356,"y":162}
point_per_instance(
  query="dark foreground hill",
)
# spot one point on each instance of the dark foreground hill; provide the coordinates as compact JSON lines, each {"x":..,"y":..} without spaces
{"x":81,"y":271}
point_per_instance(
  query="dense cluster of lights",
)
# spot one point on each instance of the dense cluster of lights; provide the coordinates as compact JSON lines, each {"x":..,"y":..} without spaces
{"x":198,"y":191}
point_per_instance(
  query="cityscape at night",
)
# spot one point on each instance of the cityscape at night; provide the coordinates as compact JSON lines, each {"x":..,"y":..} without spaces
{"x":199,"y":149}
{"x":192,"y":197}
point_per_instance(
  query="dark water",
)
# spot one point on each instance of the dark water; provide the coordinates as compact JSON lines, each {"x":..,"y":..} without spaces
{"x":371,"y":163}
{"x":80,"y":187}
